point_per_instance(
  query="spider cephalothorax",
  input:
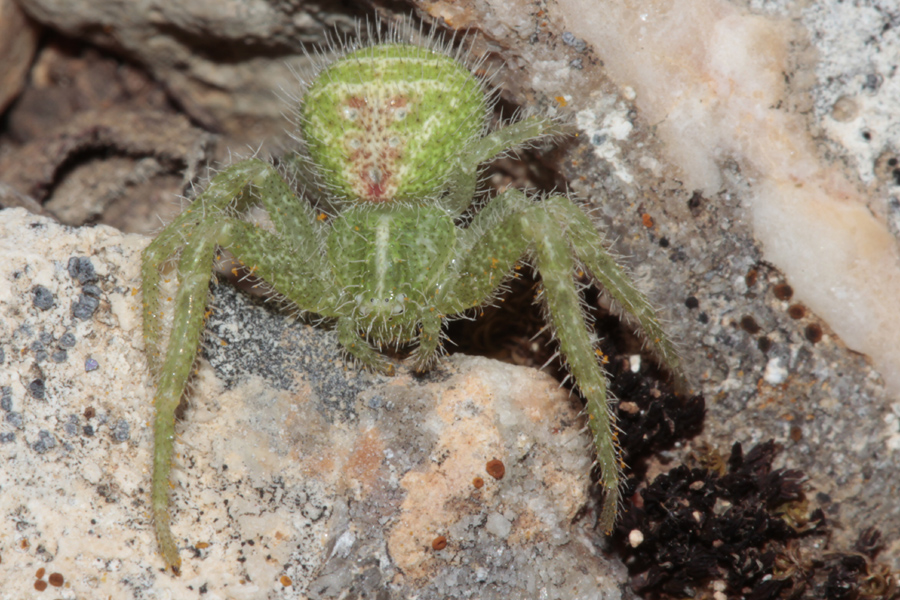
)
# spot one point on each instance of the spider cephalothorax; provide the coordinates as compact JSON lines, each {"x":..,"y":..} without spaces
{"x":392,"y":136}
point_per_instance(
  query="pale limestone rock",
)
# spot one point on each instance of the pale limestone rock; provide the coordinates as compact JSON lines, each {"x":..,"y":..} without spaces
{"x":711,"y":77}
{"x":298,"y":475}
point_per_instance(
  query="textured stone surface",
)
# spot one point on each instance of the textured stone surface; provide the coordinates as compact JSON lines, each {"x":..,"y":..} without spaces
{"x":18,"y":41}
{"x":298,"y":476}
{"x":768,"y":365}
{"x":222,"y":61}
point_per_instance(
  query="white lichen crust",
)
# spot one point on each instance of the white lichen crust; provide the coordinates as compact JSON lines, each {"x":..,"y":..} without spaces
{"x":367,"y":234}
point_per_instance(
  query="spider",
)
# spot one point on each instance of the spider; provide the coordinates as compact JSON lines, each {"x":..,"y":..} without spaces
{"x":387,"y":237}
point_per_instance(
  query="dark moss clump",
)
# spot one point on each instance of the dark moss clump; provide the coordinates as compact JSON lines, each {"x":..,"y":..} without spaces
{"x":736,"y":528}
{"x":650,"y":416}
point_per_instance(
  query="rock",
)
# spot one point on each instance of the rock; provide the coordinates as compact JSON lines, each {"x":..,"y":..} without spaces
{"x":185,"y":44}
{"x":298,"y":475}
{"x":18,"y":42}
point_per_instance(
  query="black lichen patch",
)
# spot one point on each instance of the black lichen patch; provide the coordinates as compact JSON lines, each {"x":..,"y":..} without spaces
{"x":737,"y":528}
{"x":85,"y":307}
{"x":42,"y":298}
{"x":37,"y":389}
{"x":265,"y":345}
{"x":44,"y":443}
{"x":82,"y":269}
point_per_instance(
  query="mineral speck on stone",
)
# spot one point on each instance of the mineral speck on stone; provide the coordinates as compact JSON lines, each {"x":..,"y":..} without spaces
{"x":122,"y":431}
{"x":45,"y":442}
{"x":92,"y":291}
{"x":37,"y":348}
{"x":15,"y":419}
{"x":71,"y":425}
{"x":37,"y":388}
{"x":570,"y":40}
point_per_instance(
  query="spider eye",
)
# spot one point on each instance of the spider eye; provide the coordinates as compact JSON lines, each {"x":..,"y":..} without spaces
{"x":350,"y":113}
{"x":398,"y":308}
{"x":400,"y":114}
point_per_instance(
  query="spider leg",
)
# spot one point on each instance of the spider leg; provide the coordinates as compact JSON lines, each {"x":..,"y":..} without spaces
{"x":429,"y":341}
{"x":292,"y":267}
{"x":195,"y":269}
{"x":231,"y":191}
{"x":463,"y":183}
{"x":513,"y":226}
{"x":267,"y":256}
{"x":359,"y":348}
{"x":555,"y":262}
{"x":164,"y":248}
{"x":588,"y":246}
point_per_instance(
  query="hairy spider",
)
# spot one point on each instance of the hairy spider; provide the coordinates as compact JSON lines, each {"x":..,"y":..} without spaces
{"x":386,"y":237}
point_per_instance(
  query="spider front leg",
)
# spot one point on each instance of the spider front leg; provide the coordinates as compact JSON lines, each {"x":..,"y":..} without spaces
{"x":554,"y":261}
{"x":588,"y":246}
{"x":429,"y":348}
{"x":555,"y":234}
{"x":233,"y":190}
{"x":292,"y":268}
{"x":195,"y":270}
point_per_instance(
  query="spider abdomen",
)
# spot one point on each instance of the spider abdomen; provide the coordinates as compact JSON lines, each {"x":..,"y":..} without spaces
{"x":383,"y":123}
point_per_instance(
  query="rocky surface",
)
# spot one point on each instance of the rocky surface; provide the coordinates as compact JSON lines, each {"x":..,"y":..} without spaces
{"x":298,"y":476}
{"x":769,"y":365}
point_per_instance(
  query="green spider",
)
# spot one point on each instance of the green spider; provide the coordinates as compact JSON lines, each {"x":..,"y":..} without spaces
{"x":387,"y":240}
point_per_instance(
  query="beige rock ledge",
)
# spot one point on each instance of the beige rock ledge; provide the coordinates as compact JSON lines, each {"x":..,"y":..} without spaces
{"x":298,"y":476}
